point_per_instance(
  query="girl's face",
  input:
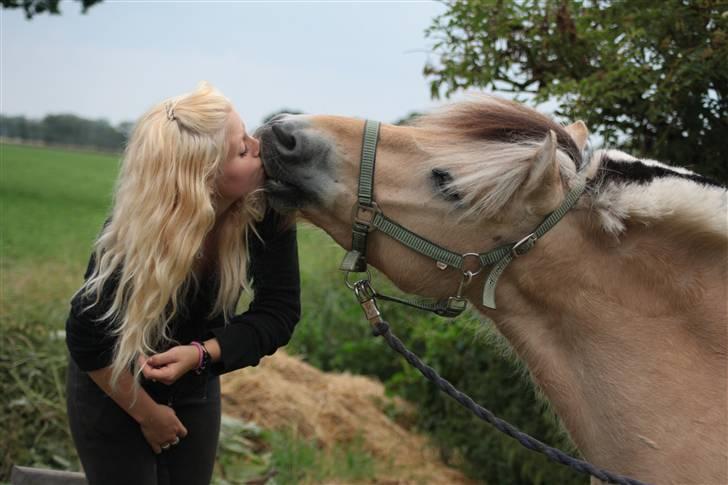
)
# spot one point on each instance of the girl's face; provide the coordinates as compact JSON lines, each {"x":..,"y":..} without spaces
{"x":243,"y":171}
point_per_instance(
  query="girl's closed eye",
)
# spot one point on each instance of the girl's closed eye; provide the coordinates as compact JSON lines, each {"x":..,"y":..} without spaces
{"x":244,"y":151}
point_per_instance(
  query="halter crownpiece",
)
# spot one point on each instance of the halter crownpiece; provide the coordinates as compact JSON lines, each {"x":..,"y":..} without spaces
{"x":368,"y":217}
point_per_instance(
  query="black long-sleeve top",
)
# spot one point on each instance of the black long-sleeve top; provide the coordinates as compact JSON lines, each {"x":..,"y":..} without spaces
{"x":267,"y":324}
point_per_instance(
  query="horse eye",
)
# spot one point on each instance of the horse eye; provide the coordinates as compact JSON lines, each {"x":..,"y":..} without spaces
{"x":443,"y":184}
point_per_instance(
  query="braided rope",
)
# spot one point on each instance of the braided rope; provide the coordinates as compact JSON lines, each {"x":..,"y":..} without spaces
{"x":553,"y":454}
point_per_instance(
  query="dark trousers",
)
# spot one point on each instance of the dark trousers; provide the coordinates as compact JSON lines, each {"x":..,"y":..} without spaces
{"x":112,"y":447}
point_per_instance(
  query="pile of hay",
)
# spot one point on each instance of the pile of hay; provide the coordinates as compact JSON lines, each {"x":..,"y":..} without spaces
{"x":285,"y":392}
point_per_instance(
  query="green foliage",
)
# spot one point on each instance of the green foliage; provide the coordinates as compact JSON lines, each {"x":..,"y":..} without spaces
{"x":32,"y":363}
{"x":408,"y":118}
{"x":300,"y":461}
{"x":653,"y":72}
{"x":35,"y":7}
{"x":243,"y":453}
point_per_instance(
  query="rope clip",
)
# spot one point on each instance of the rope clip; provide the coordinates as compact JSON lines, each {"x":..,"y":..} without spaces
{"x":366,"y":296}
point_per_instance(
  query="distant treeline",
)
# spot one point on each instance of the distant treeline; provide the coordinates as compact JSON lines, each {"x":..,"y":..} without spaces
{"x":66,"y":129}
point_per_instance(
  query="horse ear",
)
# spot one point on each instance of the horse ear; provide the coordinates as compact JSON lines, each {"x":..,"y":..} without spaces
{"x":579,"y":133}
{"x":543,"y":184}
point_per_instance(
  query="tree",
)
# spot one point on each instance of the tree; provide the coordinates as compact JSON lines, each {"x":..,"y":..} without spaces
{"x":66,"y":129}
{"x":34,"y":7}
{"x":648,"y":76}
{"x":408,"y":118}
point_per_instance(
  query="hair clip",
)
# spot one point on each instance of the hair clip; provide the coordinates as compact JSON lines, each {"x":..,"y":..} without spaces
{"x":170,"y":111}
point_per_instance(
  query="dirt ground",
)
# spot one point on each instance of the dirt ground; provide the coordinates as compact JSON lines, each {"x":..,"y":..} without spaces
{"x":284,"y":391}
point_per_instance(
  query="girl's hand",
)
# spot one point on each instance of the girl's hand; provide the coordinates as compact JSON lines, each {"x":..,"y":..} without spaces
{"x":169,"y":366}
{"x":161,"y":427}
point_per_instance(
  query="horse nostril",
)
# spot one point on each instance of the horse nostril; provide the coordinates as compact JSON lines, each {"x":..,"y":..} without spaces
{"x":286,"y":139}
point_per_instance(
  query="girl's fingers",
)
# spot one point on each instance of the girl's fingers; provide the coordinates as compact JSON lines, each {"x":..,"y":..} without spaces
{"x":160,"y":360}
{"x":167,"y":374}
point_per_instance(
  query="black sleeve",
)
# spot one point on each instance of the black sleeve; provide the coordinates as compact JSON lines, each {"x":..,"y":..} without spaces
{"x":89,"y":339}
{"x":276,"y":307}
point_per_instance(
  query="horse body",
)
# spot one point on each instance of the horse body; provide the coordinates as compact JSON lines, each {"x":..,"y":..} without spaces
{"x":619,"y":312}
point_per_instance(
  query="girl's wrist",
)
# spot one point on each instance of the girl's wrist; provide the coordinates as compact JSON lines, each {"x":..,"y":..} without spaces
{"x":203,"y":357}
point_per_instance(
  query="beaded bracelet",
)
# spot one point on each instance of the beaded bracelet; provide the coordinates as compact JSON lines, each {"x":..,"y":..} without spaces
{"x":204,"y":356}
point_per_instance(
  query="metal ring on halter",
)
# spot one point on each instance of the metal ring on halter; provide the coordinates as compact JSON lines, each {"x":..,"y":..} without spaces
{"x":480,"y":265}
{"x":165,"y":446}
{"x":351,"y":285}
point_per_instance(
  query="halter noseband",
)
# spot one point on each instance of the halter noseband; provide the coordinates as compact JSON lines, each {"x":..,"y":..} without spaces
{"x":368,"y":217}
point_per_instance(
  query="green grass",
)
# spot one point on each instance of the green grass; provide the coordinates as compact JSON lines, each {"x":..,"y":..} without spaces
{"x":52,"y":203}
{"x":250,"y":453}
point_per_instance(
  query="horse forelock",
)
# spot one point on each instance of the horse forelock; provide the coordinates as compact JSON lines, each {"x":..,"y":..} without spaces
{"x":487,"y":148}
{"x":488,"y":118}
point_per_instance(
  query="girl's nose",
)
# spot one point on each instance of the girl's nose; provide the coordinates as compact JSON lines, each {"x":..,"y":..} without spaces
{"x":256,"y":146}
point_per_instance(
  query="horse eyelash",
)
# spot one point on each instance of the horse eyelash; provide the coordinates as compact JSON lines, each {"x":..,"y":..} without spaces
{"x":443,"y":181}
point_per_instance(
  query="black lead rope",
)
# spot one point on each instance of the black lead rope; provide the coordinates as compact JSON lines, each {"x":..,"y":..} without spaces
{"x":366,"y":296}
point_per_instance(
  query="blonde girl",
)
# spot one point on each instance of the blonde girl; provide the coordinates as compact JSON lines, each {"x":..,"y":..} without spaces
{"x":153,"y":325}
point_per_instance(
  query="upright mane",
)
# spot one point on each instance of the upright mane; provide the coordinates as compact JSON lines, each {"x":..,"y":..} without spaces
{"x":626,"y":189}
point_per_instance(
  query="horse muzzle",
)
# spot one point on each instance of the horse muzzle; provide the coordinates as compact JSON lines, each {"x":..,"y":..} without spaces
{"x":295,"y":160}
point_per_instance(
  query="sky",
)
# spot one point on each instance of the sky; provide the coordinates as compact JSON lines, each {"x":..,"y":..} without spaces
{"x":362,"y":59}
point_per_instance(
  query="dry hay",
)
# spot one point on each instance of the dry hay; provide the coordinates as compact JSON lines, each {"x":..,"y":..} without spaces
{"x":284,"y":392}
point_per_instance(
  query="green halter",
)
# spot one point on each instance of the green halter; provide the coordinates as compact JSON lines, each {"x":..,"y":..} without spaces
{"x":368,"y":217}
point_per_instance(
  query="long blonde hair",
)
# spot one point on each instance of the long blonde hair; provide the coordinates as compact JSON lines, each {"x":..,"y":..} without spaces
{"x":164,"y":207}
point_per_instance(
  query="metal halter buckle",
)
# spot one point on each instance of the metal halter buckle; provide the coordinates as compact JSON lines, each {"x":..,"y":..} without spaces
{"x":527,"y":242}
{"x":364,"y":214}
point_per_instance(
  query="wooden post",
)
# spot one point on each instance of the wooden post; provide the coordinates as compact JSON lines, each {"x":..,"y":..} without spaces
{"x":22,"y":475}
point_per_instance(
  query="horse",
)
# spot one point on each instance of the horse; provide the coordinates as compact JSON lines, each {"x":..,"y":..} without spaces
{"x":619,"y":312}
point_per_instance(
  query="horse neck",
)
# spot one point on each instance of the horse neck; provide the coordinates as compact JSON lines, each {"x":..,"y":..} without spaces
{"x":625,"y":337}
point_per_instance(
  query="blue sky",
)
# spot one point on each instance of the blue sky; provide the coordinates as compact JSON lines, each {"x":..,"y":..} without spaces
{"x":360,"y":59}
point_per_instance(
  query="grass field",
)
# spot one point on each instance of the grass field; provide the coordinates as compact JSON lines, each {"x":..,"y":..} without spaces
{"x":52,"y":204}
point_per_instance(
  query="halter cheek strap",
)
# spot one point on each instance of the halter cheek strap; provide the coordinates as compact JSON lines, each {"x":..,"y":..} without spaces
{"x":364,"y":210}
{"x":368,"y":217}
